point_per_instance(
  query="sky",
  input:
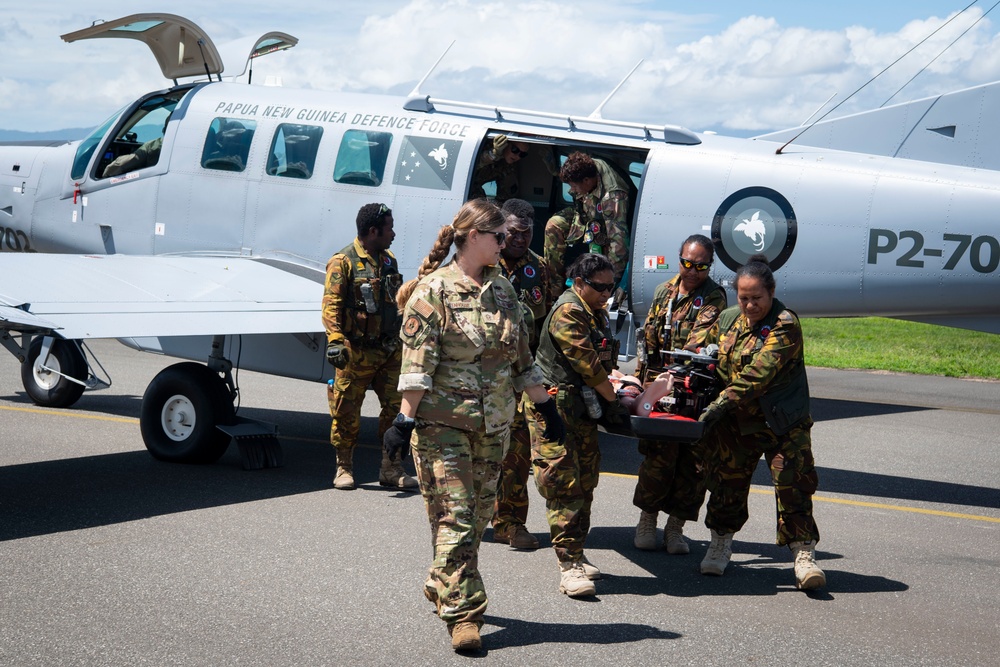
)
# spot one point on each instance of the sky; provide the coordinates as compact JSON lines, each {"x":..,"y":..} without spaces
{"x":735,"y":67}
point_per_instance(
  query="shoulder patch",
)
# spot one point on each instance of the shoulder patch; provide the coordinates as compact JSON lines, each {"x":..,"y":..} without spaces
{"x":423,"y":308}
{"x":412,"y":326}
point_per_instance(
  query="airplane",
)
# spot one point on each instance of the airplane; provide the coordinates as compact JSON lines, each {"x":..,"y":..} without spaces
{"x":214,"y":249}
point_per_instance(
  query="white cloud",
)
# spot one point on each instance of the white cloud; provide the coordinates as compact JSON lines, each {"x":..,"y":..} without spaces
{"x":753,"y":75}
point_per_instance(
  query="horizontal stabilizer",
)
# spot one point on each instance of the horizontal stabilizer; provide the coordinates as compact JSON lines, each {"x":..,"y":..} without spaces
{"x":118,"y":296}
{"x":957,"y":128}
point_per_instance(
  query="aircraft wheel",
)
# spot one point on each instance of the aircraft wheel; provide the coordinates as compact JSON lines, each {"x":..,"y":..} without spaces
{"x":47,"y":387}
{"x":180,"y":410}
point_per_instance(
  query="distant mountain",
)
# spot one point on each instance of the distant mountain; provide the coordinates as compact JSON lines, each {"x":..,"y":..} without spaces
{"x":69,"y":134}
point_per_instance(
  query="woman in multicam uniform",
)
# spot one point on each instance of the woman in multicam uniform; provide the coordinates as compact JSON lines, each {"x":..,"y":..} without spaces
{"x":763,"y":409}
{"x":576,"y":353}
{"x":465,"y":357}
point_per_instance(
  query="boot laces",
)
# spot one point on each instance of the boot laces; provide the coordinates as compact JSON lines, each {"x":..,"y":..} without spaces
{"x":647,"y":524}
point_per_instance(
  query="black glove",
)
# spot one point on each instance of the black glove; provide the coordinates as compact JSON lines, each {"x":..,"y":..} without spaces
{"x":338,"y":355}
{"x":555,"y":429}
{"x":616,"y":418}
{"x":715,"y":411}
{"x":397,"y":437}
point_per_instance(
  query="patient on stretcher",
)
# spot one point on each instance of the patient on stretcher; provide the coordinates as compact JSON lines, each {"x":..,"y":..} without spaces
{"x":641,"y":402}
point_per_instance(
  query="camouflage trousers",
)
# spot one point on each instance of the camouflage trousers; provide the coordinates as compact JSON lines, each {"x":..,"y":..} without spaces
{"x":671,"y":479}
{"x":566,"y":476}
{"x":373,"y":367}
{"x":512,"y":490}
{"x":732,"y":459}
{"x":458,"y":472}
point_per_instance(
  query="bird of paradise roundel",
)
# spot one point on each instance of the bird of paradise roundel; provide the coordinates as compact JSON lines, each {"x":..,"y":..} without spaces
{"x":752,"y":221}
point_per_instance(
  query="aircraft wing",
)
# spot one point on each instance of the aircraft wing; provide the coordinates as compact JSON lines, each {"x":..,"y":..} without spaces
{"x":119,"y":296}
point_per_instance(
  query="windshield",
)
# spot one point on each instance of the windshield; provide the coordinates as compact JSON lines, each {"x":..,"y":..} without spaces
{"x":86,"y":148}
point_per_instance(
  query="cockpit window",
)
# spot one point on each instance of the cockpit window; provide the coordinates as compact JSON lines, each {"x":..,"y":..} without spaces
{"x":293,"y":150}
{"x":228,"y":144}
{"x":86,"y":148}
{"x":137,"y":143}
{"x":362,"y":157}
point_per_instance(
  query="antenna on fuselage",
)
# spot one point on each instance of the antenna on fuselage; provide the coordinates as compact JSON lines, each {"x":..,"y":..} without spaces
{"x":416,"y":101}
{"x":596,"y":113}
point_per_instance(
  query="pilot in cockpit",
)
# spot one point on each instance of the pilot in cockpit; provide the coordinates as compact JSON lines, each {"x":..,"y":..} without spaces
{"x":144,"y":156}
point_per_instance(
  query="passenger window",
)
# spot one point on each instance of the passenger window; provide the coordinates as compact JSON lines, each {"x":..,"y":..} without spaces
{"x":293,"y":150}
{"x":228,"y":144}
{"x":362,"y":157}
{"x":137,"y":143}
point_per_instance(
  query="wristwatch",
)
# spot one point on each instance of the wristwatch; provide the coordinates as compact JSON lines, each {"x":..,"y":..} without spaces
{"x":403,"y":422}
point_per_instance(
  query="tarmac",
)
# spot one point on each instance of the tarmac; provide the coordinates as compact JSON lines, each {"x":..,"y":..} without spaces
{"x":109,"y":557}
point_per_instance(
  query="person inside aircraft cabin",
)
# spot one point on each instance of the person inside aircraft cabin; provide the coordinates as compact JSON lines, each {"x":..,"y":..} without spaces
{"x":144,"y":156}
{"x":600,"y":222}
{"x":362,"y":331}
{"x":532,"y":281}
{"x":498,"y":163}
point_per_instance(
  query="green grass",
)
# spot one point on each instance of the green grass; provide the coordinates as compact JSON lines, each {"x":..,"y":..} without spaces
{"x":876,"y":343}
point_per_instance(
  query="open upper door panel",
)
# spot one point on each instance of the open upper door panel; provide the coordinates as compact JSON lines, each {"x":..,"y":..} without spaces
{"x":180,"y":47}
{"x":240,"y":52}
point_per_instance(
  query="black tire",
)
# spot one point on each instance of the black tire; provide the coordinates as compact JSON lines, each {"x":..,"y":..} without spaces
{"x":180,"y":411}
{"x":47,"y":388}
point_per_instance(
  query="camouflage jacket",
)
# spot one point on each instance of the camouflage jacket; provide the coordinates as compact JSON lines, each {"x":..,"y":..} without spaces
{"x":577,"y":344}
{"x":359,"y":299}
{"x":556,"y":231}
{"x":467,"y":348}
{"x":690,"y":317}
{"x":600,"y":224}
{"x":761,"y":362}
{"x":488,"y":169}
{"x":533,"y":282}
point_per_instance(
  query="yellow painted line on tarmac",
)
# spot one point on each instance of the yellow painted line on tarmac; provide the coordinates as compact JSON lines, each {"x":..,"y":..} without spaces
{"x":77,"y":415}
{"x":861,"y":503}
{"x":822,"y":499}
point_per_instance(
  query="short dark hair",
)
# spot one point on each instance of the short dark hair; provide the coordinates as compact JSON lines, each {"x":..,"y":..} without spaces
{"x":757,"y":268}
{"x":700,"y":240}
{"x":588,"y":264}
{"x":519,"y":208}
{"x":372,"y":215}
{"x":578,"y":166}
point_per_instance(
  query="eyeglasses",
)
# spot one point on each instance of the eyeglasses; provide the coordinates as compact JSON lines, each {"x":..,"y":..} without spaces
{"x":499,"y":236}
{"x":600,"y":287}
{"x":688,"y":264}
{"x":514,"y":150}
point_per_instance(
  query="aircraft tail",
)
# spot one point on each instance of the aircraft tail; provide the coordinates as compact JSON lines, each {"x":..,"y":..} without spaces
{"x":956,"y":128}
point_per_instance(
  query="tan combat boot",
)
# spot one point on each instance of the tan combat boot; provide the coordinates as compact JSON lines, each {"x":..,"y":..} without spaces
{"x":673,"y":537}
{"x":465,"y":636}
{"x":645,"y":532}
{"x":344,"y":479}
{"x":573,"y":580}
{"x":392,"y":474}
{"x":718,"y":554}
{"x":807,"y":574}
{"x":517,"y":536}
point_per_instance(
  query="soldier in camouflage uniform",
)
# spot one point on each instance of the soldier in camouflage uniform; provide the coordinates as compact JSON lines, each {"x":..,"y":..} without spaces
{"x":362,"y":332}
{"x":499,"y":164}
{"x":671,"y":476}
{"x":600,"y":222}
{"x":532,"y":281}
{"x":576,"y":352}
{"x":762,"y":410}
{"x":465,"y":357}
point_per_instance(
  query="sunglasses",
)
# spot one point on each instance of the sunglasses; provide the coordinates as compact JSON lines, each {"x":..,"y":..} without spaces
{"x":499,"y":236}
{"x":514,"y":150}
{"x":600,"y":287}
{"x":698,"y":266}
{"x":383,"y":210}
